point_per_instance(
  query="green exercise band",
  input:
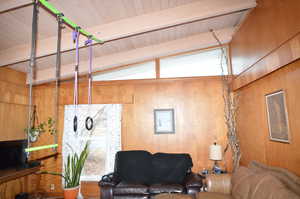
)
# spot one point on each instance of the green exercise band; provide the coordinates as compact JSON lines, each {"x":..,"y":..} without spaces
{"x":52,"y":9}
{"x":41,"y":147}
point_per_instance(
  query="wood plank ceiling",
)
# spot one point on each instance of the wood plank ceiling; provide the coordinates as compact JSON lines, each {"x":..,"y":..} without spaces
{"x":15,"y":25}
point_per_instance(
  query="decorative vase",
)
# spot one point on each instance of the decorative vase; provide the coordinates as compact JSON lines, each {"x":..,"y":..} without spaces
{"x":71,"y":193}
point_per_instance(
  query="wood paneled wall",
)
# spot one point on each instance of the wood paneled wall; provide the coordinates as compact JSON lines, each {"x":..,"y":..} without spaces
{"x":266,"y":48}
{"x":13,"y":120}
{"x":13,"y":104}
{"x":269,"y":26}
{"x":198,"y":108}
{"x":253,"y":125}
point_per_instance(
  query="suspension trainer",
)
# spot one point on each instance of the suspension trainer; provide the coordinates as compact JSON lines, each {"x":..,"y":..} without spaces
{"x":31,"y":65}
{"x":57,"y":74}
{"x":76,"y":35}
{"x":62,"y":20}
{"x":89,"y":122}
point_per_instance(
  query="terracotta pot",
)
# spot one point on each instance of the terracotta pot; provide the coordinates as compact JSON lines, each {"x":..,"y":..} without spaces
{"x":71,"y":193}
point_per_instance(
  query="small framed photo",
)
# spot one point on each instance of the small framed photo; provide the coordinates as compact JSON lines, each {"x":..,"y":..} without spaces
{"x":164,"y":121}
{"x":278,"y":117}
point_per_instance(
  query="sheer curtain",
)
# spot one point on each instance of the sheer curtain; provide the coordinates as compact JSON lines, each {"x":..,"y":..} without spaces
{"x":105,"y":137}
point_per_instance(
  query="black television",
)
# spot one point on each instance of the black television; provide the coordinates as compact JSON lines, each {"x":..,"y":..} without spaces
{"x":13,"y":155}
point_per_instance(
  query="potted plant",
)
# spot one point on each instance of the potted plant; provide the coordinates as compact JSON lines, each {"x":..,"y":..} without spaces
{"x":72,"y":171}
{"x":35,"y":131}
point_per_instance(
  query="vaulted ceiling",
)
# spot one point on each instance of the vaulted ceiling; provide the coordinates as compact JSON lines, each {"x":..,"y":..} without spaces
{"x":132,"y":31}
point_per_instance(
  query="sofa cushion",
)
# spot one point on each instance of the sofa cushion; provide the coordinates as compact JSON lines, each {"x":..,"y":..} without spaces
{"x":209,"y":195}
{"x":170,"y":168}
{"x":124,"y":188}
{"x":289,"y":179}
{"x":240,"y":183}
{"x":248,"y":184}
{"x":266,"y":186}
{"x":165,"y":188}
{"x":134,"y":166}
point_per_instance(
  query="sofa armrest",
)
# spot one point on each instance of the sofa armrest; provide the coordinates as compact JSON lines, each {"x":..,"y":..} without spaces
{"x":219,"y":183}
{"x":193,"y":183}
{"x":107,"y":184}
{"x":109,"y":180}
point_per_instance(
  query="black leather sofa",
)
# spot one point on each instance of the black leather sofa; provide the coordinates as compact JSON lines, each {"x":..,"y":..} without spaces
{"x":141,"y":175}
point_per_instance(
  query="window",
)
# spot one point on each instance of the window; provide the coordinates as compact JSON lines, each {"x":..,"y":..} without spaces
{"x":105,"y":137}
{"x":204,"y":63}
{"x":139,"y":71}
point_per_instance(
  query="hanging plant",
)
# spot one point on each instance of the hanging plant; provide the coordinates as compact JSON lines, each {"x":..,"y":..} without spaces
{"x":35,"y":131}
{"x":51,"y":126}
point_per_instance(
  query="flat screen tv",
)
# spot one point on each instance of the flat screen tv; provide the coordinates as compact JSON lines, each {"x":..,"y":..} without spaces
{"x":12,"y":154}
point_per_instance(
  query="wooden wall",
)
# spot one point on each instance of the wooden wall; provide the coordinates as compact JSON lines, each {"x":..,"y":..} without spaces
{"x":253,"y":125}
{"x":13,"y":105}
{"x":268,"y":26}
{"x":198,"y":108}
{"x":13,"y":120}
{"x":264,"y":55}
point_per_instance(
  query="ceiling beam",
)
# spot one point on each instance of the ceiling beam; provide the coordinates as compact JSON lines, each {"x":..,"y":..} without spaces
{"x":199,"y":41}
{"x":132,"y":26}
{"x":9,"y":5}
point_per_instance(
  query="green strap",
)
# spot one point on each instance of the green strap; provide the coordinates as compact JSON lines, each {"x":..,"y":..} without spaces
{"x":41,"y":147}
{"x":67,"y":21}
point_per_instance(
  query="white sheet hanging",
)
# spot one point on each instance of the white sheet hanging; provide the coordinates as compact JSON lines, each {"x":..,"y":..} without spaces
{"x":105,"y":137}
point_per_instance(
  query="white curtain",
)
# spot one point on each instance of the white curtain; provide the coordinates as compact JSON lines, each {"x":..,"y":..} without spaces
{"x":105,"y":137}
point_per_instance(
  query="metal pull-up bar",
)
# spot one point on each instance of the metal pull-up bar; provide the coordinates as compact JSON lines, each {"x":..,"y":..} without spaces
{"x":67,"y":21}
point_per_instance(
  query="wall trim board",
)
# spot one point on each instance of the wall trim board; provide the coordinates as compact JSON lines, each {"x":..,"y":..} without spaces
{"x":83,"y":81}
{"x":283,"y":55}
{"x":11,"y":103}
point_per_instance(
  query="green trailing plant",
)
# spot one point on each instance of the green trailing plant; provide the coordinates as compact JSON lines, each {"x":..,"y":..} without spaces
{"x":73,"y":168}
{"x":51,"y":126}
{"x":42,"y":128}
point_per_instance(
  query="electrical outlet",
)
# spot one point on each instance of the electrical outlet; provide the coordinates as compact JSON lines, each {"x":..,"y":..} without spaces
{"x":52,"y":187}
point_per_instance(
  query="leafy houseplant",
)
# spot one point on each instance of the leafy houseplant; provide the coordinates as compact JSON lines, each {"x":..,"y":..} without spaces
{"x":72,"y":171}
{"x":35,"y":131}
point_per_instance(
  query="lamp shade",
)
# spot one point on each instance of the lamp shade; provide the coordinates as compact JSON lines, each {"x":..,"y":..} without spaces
{"x":215,"y":152}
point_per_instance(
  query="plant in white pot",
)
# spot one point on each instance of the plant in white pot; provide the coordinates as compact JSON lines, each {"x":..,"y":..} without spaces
{"x":72,"y":171}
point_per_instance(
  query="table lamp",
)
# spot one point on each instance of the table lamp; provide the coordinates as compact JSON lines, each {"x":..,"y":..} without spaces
{"x":215,"y":154}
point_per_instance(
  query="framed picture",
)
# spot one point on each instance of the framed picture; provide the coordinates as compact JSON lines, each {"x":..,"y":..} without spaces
{"x":164,"y":121}
{"x":278,"y":117}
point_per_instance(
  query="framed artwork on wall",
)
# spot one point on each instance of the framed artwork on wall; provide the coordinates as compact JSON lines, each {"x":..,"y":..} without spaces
{"x":164,"y":121}
{"x":277,"y":117}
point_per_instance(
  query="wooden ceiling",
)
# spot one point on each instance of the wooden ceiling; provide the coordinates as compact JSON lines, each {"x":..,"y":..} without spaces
{"x":133,"y":25}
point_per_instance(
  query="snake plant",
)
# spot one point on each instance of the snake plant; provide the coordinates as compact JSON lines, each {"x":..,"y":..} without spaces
{"x":73,"y":168}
